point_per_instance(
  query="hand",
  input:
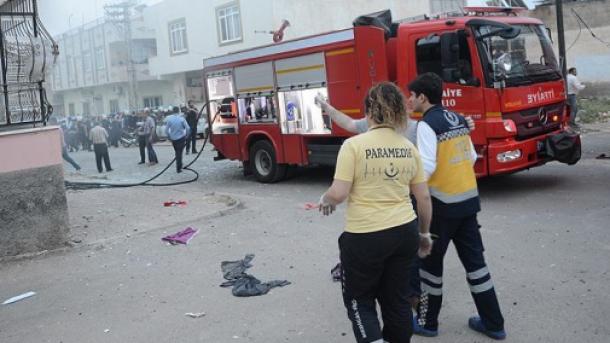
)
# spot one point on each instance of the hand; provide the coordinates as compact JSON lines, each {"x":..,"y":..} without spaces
{"x":320,"y":100}
{"x":470,"y":123}
{"x":425,"y":245}
{"x":325,"y":207}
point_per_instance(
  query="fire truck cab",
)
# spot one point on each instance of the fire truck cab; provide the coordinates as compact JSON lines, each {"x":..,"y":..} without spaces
{"x":498,"y":68}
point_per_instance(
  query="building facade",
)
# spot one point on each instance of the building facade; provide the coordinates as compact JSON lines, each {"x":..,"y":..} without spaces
{"x":91,"y":75}
{"x":188,"y":32}
{"x":172,"y":37}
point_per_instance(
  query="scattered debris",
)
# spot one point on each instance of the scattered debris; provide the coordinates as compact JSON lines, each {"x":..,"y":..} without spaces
{"x":180,"y":203}
{"x":245,"y":285}
{"x":310,"y":206}
{"x":195,"y":315}
{"x":19,"y":298}
{"x":107,"y":331}
{"x":602,"y":157}
{"x":182,"y":237}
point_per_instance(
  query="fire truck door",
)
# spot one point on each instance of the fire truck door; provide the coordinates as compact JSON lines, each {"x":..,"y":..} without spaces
{"x":453,"y":56}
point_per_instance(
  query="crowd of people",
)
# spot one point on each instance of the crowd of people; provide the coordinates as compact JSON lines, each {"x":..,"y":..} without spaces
{"x":97,"y":133}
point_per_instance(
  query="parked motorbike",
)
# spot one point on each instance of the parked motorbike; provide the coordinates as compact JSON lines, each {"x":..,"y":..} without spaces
{"x":128,"y":139}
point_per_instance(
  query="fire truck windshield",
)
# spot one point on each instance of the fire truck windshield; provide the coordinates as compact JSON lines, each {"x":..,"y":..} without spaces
{"x":525,"y":59}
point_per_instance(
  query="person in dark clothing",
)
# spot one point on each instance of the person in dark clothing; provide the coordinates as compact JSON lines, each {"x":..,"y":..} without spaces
{"x":115,"y":132}
{"x":449,"y":156}
{"x":192,"y":116}
{"x":83,"y":135}
{"x":64,"y":150}
{"x":73,"y":139}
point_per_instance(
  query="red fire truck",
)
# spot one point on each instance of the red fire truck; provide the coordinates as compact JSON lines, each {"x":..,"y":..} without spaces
{"x":498,"y":67}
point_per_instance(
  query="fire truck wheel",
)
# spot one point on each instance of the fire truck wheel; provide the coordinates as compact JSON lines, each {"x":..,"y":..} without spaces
{"x":264,"y":164}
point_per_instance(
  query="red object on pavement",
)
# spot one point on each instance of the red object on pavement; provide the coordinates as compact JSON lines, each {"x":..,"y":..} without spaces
{"x":310,"y":206}
{"x":174,"y":203}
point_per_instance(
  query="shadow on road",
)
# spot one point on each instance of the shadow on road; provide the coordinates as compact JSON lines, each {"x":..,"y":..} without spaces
{"x":522,"y":183}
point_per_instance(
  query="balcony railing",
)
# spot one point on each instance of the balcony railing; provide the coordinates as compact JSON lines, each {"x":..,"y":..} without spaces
{"x":27,"y":51}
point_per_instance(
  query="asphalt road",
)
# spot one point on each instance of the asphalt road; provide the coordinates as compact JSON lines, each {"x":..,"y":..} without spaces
{"x":545,"y":231}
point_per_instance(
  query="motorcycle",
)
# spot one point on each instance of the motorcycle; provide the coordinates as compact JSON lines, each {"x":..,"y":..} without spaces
{"x":128,"y":139}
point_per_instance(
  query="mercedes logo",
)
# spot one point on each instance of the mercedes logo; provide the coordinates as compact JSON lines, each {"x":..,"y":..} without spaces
{"x":542,"y":116}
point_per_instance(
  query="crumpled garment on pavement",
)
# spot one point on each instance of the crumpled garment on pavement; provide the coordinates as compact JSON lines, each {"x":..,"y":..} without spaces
{"x":246,"y":285}
{"x":233,"y":270}
{"x":181,"y":237}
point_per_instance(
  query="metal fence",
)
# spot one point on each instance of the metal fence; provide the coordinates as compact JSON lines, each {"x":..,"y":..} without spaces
{"x":27,"y":51}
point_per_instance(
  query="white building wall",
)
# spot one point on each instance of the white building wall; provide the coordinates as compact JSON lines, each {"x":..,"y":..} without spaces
{"x":71,"y":82}
{"x":317,"y":16}
{"x":99,"y":97}
{"x":306,"y":18}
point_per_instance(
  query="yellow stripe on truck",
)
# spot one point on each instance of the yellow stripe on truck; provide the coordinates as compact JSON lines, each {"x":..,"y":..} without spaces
{"x":340,"y":52}
{"x":255,"y":89}
{"x":300,"y":69}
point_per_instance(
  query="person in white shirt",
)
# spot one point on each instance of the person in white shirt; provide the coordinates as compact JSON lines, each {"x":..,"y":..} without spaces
{"x":99,"y":136}
{"x":574,"y":87}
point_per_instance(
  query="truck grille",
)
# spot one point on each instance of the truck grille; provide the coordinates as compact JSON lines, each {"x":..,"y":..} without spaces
{"x":536,"y":121}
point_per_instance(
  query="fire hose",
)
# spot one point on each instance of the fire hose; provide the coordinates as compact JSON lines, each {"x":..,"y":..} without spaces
{"x":82,"y":185}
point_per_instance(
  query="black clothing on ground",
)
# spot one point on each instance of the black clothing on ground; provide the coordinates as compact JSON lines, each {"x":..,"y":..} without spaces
{"x":376,"y":268}
{"x":245,"y":285}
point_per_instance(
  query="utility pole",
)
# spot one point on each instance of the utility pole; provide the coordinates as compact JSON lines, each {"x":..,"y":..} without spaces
{"x":561,"y":37}
{"x":120,"y":14}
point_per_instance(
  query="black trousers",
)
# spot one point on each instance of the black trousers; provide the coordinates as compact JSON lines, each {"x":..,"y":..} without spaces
{"x":178,"y":148}
{"x":376,"y":268}
{"x":144,"y":143}
{"x":101,"y":152}
{"x":464,"y":232}
{"x":191,"y":141}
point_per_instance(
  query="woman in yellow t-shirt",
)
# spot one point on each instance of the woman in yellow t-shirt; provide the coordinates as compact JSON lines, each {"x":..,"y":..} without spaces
{"x":375,"y":172}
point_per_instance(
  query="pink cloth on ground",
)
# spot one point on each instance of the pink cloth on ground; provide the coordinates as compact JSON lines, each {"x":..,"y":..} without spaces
{"x":181,"y":237}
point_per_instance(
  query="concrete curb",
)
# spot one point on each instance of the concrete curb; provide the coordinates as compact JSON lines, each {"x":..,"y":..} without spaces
{"x":99,"y":244}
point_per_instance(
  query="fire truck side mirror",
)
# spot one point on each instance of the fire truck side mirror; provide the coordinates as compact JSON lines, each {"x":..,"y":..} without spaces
{"x":450,"y":56}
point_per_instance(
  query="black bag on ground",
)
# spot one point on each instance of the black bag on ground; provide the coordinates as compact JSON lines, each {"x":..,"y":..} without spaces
{"x":564,"y":147}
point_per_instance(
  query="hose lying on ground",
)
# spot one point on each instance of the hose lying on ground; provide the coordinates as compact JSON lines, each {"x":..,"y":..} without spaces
{"x":81,"y":185}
